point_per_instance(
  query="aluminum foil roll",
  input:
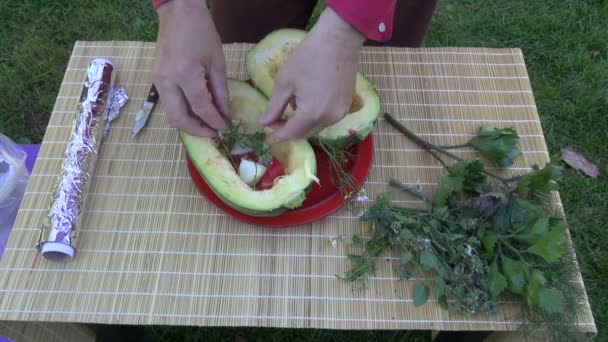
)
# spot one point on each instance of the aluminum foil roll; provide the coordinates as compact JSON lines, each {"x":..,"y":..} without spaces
{"x":68,"y":199}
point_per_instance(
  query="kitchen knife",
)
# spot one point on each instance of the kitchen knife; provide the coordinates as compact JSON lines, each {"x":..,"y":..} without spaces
{"x":142,"y":116}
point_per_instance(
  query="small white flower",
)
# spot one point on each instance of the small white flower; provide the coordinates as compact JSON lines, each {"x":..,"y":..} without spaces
{"x":361,"y":196}
{"x":470,"y":250}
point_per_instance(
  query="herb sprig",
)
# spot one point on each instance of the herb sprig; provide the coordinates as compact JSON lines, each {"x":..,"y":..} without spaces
{"x":255,"y":142}
{"x":339,"y":155}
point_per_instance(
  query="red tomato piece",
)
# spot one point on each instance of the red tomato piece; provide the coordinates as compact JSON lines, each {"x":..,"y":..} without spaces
{"x":275,"y":169}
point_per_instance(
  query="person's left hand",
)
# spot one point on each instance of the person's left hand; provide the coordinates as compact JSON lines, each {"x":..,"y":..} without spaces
{"x":318,"y":79}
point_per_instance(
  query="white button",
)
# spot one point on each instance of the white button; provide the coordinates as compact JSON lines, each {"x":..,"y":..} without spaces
{"x":382,"y":27}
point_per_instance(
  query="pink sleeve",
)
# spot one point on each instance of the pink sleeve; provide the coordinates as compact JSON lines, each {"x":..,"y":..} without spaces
{"x":156,"y":3}
{"x":373,"y":18}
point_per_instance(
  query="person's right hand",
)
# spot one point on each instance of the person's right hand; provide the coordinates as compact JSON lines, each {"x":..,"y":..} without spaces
{"x":190,"y":73}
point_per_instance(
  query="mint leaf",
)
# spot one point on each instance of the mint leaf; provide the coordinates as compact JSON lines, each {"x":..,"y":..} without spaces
{"x":421,"y":294}
{"x":429,"y":260}
{"x":535,"y":231}
{"x":496,"y":281}
{"x":497,"y":144}
{"x":516,"y":272}
{"x":539,"y":183}
{"x":537,"y":281}
{"x":550,"y":246}
{"x":551,"y":301}
{"x":489,"y":241}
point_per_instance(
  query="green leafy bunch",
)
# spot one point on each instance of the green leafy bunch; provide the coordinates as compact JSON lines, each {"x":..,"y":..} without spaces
{"x":480,"y":237}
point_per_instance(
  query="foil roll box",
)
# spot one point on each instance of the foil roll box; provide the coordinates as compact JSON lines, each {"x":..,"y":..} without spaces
{"x":56,"y":242}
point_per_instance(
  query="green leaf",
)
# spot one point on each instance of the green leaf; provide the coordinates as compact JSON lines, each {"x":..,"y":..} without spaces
{"x":550,"y":246}
{"x":474,"y":240}
{"x":471,"y":173}
{"x":406,"y":234}
{"x":502,"y":221}
{"x":535,"y":231}
{"x":441,"y":212}
{"x":447,"y":186}
{"x":404,"y":273}
{"x":421,"y":294}
{"x":489,"y":241}
{"x":551,"y":300}
{"x":357,"y":240}
{"x":540,"y":182}
{"x":406,"y":258}
{"x":515,"y":272}
{"x":496,"y":281}
{"x":429,"y":260}
{"x":440,"y":286}
{"x":497,"y":144}
{"x":521,"y":212}
{"x":535,"y":284}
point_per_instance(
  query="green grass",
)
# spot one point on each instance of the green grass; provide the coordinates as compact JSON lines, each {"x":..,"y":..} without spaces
{"x":162,"y":334}
{"x":564,"y":42}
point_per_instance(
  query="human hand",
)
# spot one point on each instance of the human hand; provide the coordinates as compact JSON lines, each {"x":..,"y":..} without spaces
{"x":190,"y":71}
{"x":318,"y":79}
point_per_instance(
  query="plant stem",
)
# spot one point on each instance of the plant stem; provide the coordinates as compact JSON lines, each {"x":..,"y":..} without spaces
{"x":396,"y":184}
{"x":455,"y":146}
{"x":430,"y":147}
{"x":413,"y":211}
{"x":437,"y":157}
{"x":513,"y":249}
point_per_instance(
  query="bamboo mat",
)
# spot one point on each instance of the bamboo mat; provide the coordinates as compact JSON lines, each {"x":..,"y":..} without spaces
{"x":153,"y":251}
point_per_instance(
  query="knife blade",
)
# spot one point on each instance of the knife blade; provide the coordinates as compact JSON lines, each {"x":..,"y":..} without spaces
{"x":142,"y":116}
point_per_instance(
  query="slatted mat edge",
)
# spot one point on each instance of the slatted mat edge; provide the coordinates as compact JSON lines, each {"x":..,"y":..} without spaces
{"x":153,"y":251}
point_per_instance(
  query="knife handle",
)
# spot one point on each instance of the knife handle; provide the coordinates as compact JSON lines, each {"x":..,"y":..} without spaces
{"x":153,"y":94}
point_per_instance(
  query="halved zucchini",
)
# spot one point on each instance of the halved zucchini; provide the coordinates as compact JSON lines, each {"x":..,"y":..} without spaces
{"x":264,"y":61}
{"x":297,"y":157}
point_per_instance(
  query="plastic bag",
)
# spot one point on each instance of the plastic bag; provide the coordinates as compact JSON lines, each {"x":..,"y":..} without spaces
{"x":13,"y":180}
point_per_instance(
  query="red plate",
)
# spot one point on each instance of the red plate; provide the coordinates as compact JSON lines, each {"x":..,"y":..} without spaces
{"x":322,"y":200}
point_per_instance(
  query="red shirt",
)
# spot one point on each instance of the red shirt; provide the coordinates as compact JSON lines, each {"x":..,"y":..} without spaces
{"x":373,"y":18}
